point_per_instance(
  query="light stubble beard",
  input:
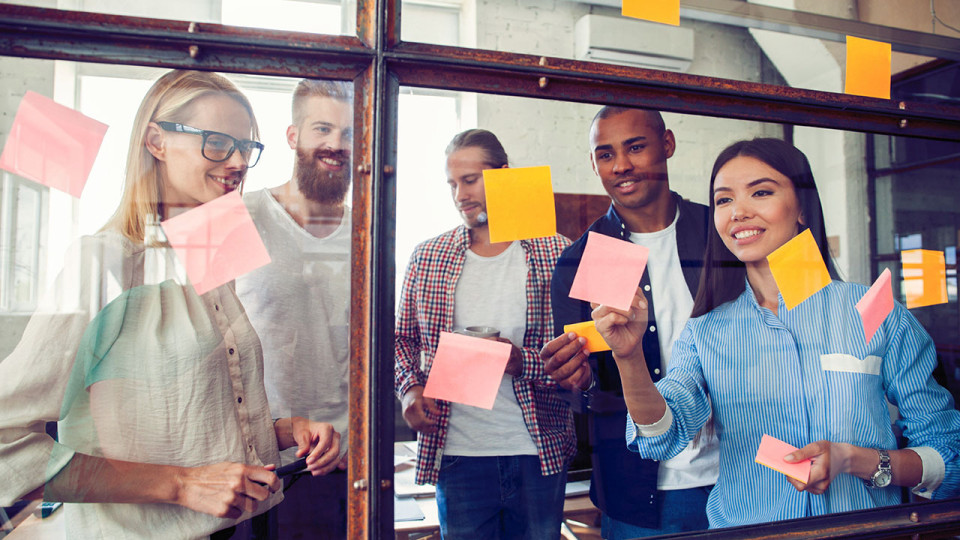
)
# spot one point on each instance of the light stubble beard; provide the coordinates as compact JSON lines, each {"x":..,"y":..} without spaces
{"x":317,"y":184}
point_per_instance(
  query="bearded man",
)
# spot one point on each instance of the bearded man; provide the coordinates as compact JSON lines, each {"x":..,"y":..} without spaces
{"x":300,"y":302}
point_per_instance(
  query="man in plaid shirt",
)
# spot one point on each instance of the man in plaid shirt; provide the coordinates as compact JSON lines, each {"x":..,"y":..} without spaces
{"x":502,"y":472}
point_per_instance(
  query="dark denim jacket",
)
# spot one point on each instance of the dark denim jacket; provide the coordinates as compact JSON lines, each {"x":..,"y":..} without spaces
{"x":623,"y":484}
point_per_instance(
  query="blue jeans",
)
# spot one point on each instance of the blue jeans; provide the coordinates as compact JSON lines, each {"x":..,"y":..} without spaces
{"x":680,"y":510}
{"x":498,"y":497}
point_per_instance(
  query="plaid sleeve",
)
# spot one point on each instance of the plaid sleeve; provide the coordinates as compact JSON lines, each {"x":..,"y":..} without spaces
{"x":406,"y":350}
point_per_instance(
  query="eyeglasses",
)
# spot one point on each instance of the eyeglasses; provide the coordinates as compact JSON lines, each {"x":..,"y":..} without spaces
{"x":218,"y":146}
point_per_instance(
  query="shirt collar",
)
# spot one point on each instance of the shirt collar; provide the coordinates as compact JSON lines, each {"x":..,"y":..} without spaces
{"x":621,"y":227}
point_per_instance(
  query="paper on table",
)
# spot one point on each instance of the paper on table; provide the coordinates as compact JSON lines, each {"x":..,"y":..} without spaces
{"x":924,"y":277}
{"x":876,"y":304}
{"x":868,"y":68}
{"x":406,"y":510}
{"x":609,"y":272}
{"x":467,"y":370}
{"x":771,"y":453}
{"x":52,"y":144}
{"x":661,"y":11}
{"x":798,"y":269}
{"x":588,"y":331}
{"x":520,"y":203}
{"x":216,"y":242}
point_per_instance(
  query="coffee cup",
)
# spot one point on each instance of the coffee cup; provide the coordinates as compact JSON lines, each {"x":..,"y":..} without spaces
{"x":480,"y":331}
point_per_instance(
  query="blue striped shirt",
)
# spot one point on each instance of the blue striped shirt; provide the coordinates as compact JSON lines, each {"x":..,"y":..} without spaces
{"x":767,"y":373}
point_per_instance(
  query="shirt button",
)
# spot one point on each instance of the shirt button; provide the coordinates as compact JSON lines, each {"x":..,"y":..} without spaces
{"x":656,"y":371}
{"x":646,"y":288}
{"x":216,"y":307}
{"x":231,"y":348}
{"x":239,"y":399}
{"x":652,"y":329}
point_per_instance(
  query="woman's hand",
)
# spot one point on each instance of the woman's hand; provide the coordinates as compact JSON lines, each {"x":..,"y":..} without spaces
{"x":827,"y":461}
{"x":319,"y":442}
{"x":622,"y":330}
{"x":225,"y":489}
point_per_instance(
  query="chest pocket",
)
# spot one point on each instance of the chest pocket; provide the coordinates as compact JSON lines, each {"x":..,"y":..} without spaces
{"x":855,"y":399}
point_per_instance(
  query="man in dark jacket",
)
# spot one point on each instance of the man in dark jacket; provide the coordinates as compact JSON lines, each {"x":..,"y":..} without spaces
{"x":638,"y":497}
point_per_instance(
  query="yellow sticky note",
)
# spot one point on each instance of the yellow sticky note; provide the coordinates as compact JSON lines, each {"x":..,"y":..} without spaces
{"x":798,"y":268}
{"x":868,"y":68}
{"x":588,"y":331}
{"x":519,"y":203}
{"x":661,"y":11}
{"x":924,"y":277}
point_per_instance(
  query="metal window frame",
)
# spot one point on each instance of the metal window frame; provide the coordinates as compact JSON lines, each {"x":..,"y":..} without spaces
{"x":378,"y":63}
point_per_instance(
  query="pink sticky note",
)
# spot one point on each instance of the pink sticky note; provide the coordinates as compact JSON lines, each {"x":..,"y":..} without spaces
{"x":771,"y":453}
{"x":876,"y":304}
{"x":216,"y":242}
{"x":609,"y":271}
{"x":467,"y":370}
{"x":52,"y":144}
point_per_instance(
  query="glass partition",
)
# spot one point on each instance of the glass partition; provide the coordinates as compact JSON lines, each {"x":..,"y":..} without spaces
{"x":152,"y":314}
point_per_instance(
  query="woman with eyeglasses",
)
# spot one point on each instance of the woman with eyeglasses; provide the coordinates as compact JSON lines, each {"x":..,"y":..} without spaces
{"x":806,"y":375}
{"x":158,"y":392}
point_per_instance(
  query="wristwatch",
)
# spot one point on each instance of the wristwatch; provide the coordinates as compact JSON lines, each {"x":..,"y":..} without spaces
{"x":882,"y":477}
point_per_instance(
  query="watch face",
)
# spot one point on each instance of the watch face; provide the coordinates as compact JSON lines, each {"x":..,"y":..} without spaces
{"x":882,"y":478}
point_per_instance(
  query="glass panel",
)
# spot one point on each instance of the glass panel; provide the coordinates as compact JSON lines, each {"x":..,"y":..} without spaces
{"x":730,"y":39}
{"x":178,"y":323}
{"x":802,"y":374}
{"x":314,"y":16}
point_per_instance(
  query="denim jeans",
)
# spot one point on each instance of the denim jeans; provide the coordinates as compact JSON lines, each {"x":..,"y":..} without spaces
{"x":498,"y":497}
{"x":680,"y":510}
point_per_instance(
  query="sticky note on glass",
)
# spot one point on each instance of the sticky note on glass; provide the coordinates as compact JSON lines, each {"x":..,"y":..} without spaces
{"x":609,"y":272}
{"x":868,"y":68}
{"x":588,"y":330}
{"x":924,"y":277}
{"x":216,"y":242}
{"x":771,"y":453}
{"x":467,"y":370}
{"x":661,"y":11}
{"x":798,"y":268}
{"x":52,"y":144}
{"x":519,"y":203}
{"x":876,"y":304}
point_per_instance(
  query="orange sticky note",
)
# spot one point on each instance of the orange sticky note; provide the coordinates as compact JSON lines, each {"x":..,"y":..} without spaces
{"x":519,"y":203}
{"x":771,"y":453}
{"x":876,"y":304}
{"x":216,"y":242}
{"x":467,"y":370}
{"x":661,"y":11}
{"x":924,"y":277}
{"x":609,"y":272}
{"x":588,"y":331}
{"x":52,"y":144}
{"x":798,"y":268}
{"x":868,"y":68}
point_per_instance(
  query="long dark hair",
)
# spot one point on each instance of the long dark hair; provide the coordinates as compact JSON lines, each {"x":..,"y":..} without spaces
{"x":723,"y":275}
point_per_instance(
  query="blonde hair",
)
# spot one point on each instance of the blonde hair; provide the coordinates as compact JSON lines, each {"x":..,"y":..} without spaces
{"x":169,"y":99}
{"x":308,"y":88}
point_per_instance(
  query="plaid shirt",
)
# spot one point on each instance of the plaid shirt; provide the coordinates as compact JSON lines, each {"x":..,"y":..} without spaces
{"x":426,"y":309}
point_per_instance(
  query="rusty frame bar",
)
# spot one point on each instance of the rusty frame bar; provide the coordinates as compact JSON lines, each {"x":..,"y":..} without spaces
{"x":95,"y":37}
{"x":437,"y":66}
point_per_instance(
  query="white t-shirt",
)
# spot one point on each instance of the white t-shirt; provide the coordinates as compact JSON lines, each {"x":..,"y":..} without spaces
{"x":672,"y":304}
{"x":300,"y":306}
{"x":492,"y":291}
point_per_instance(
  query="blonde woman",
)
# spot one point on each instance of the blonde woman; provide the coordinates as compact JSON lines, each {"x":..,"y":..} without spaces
{"x":158,"y":391}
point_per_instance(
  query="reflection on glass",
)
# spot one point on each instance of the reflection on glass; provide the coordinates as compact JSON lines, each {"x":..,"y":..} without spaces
{"x":155,"y":383}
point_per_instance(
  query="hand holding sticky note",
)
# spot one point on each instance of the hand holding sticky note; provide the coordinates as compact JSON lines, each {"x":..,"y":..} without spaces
{"x":216,"y":242}
{"x":771,"y":453}
{"x":875,"y":305}
{"x":798,"y":269}
{"x":609,"y":272}
{"x":588,"y":331}
{"x":520,"y":203}
{"x":467,"y":370}
{"x":52,"y":144}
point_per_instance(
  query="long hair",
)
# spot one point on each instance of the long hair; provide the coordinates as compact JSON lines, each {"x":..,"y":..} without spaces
{"x":496,"y":156}
{"x":723,"y":275}
{"x":169,"y":99}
